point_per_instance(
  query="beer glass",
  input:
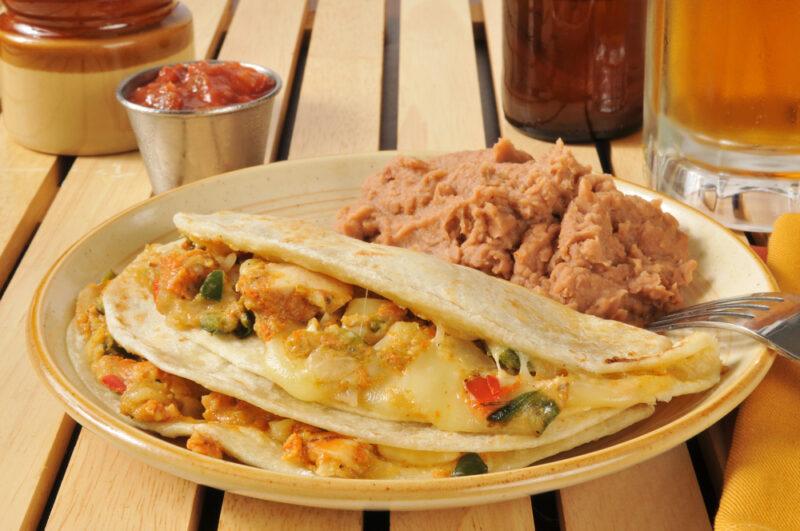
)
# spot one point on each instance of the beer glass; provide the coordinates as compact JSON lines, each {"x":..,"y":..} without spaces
{"x":722,"y":107}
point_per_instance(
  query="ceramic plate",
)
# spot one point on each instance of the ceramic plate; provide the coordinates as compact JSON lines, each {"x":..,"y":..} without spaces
{"x":316,"y":189}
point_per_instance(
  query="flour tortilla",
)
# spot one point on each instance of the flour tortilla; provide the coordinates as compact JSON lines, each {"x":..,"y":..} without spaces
{"x":137,"y":326}
{"x":253,"y":447}
{"x":450,"y":295}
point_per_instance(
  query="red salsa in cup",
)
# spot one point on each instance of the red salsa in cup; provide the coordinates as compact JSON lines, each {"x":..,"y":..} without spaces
{"x":202,"y":85}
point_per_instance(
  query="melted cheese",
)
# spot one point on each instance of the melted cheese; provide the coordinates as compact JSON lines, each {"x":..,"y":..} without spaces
{"x":430,"y":386}
{"x":378,"y":360}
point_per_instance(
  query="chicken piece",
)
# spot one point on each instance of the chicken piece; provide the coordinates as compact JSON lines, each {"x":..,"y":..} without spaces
{"x":281,"y":294}
{"x":327,"y":454}
{"x":371,"y":318}
{"x":204,"y":445}
{"x":228,"y":410}
{"x":181,"y":273}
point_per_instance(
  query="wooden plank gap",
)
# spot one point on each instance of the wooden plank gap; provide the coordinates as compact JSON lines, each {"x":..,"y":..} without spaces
{"x":63,"y":165}
{"x":106,"y":489}
{"x":211,"y":19}
{"x":376,"y":521}
{"x":391,"y":71}
{"x":715,"y":444}
{"x":488,"y":100}
{"x":340,"y":100}
{"x":704,"y":479}
{"x":269,"y":33}
{"x":28,"y":184}
{"x":210,"y":509}
{"x":14,"y":267}
{"x":284,"y":139}
{"x":308,"y":20}
{"x":478,"y":20}
{"x":546,"y":511}
{"x":63,"y":458}
{"x":476,"y":12}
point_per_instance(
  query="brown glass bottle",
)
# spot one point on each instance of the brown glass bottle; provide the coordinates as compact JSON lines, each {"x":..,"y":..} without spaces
{"x":573,"y":69}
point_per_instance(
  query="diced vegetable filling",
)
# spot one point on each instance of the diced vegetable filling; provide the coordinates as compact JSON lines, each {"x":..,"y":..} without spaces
{"x":150,"y":395}
{"x":346,"y":342}
{"x":228,"y":410}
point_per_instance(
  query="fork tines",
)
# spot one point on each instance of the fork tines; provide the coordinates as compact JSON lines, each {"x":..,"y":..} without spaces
{"x":742,"y":307}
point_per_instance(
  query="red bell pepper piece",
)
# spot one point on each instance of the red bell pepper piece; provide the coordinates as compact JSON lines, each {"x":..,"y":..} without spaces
{"x":114,"y":382}
{"x":486,"y":389}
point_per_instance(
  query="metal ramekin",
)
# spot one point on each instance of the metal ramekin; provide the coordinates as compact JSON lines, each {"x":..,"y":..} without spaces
{"x":182,"y":146}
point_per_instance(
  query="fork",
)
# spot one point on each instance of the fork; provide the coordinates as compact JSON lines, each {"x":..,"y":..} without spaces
{"x":772,"y":318}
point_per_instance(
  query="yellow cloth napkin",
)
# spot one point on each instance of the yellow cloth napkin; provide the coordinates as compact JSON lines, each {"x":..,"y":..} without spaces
{"x":762,"y":476}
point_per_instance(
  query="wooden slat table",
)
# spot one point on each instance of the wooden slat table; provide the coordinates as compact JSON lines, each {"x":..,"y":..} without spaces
{"x":358,"y":75}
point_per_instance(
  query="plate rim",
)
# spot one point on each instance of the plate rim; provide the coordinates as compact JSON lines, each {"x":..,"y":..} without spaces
{"x":395,"y":494}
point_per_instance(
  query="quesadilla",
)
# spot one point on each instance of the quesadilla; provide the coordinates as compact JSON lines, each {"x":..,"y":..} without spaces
{"x":289,"y":347}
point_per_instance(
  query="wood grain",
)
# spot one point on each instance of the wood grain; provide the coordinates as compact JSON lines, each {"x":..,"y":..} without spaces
{"x":627,"y":159}
{"x":34,"y":437}
{"x":269,"y":33}
{"x":659,"y":494}
{"x":439,"y":101}
{"x":28,"y":183}
{"x":513,"y":514}
{"x":210,"y":19}
{"x":339,"y":110}
{"x":108,"y":490}
{"x":493,"y":15}
{"x":241,"y":513}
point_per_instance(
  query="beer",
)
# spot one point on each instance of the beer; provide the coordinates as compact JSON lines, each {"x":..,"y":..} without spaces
{"x":722,"y":107}
{"x":573,"y":68}
{"x":732,"y":70}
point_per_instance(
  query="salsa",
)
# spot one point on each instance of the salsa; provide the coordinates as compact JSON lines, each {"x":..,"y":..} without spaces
{"x":202,"y":85}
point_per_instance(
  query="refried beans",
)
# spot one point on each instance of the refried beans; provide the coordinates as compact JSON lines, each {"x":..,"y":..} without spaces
{"x":549,"y":224}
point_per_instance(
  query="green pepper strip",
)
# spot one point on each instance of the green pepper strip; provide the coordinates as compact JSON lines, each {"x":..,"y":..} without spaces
{"x":509,"y":361}
{"x":212,"y":285}
{"x":211,"y":322}
{"x":245,"y":327}
{"x":469,"y":465}
{"x":545,"y":408}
